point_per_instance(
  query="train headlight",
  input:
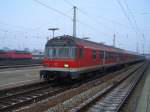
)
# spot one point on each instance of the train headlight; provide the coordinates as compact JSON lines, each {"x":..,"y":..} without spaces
{"x":66,"y":65}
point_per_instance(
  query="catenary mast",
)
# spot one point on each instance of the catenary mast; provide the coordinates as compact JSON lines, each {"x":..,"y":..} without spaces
{"x":74,"y":21}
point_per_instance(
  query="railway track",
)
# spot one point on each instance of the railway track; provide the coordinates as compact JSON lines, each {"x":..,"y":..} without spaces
{"x":12,"y":99}
{"x":19,"y":66}
{"x":17,"y":89}
{"x":23,"y":96}
{"x":112,"y":98}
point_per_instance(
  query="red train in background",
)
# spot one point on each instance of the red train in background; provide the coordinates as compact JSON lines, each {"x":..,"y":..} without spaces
{"x":13,"y":55}
{"x":70,"y":57}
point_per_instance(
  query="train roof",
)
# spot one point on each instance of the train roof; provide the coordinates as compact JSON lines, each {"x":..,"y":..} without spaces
{"x":72,"y":41}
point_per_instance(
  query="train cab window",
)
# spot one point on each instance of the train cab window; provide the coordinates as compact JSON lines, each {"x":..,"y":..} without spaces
{"x":101,"y":54}
{"x":80,"y":52}
{"x":94,"y":54}
{"x":61,"y":52}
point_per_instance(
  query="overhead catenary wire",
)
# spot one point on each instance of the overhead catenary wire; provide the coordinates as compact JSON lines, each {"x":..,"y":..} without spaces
{"x":14,"y":33}
{"x":91,"y":27}
{"x":14,"y":26}
{"x":51,"y":8}
{"x":98,"y":16}
{"x":85,"y":24}
{"x":62,"y":13}
{"x":135,"y":22}
{"x":112,"y":21}
{"x":69,"y":3}
{"x":96,"y":20}
{"x":88,"y":15}
{"x":127,"y":16}
{"x":133,"y":17}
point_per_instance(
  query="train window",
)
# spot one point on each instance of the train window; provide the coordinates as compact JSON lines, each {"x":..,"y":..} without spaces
{"x":73,"y":52}
{"x":51,"y":52}
{"x":114,"y":56}
{"x":111,"y":55}
{"x":61,"y":52}
{"x":80,"y":52}
{"x":107,"y":55}
{"x":101,"y":54}
{"x":94,"y":54}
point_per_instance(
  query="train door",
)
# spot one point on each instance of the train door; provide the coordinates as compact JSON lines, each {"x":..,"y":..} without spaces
{"x":102,"y":56}
{"x":80,"y":57}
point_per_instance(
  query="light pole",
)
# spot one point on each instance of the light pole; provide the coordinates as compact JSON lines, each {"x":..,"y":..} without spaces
{"x":114,"y":40}
{"x":143,"y":43}
{"x":53,"y":30}
{"x":86,"y":38}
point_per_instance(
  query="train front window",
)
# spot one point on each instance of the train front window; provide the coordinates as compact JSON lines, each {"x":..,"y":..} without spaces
{"x":61,"y":52}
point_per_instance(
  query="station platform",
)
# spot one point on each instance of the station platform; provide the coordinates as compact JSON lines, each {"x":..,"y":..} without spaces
{"x":144,"y":101}
{"x":15,"y":77}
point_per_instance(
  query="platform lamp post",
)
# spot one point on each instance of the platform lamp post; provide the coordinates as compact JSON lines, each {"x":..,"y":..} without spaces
{"x":53,"y":30}
{"x":86,"y":38}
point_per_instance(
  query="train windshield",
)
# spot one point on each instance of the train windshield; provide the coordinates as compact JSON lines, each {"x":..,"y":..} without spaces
{"x":61,"y":52}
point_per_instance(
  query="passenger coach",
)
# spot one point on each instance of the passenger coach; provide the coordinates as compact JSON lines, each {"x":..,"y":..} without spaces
{"x":69,"y":57}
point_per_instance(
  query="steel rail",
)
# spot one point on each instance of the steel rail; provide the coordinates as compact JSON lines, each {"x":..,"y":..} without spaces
{"x":19,"y":66}
{"x":86,"y":104}
{"x":28,"y":96}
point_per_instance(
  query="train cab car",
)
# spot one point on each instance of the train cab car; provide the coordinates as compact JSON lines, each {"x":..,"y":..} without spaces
{"x":60,"y":58}
{"x":69,"y":57}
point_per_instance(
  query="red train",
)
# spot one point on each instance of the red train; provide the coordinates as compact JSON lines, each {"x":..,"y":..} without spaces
{"x":69,"y":57}
{"x":9,"y":55}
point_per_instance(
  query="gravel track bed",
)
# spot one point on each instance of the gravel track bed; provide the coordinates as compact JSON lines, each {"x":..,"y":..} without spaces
{"x":19,"y":62}
{"x":18,"y":84}
{"x":78,"y":99}
{"x":52,"y":101}
{"x":69,"y":94}
{"x":131,"y":103}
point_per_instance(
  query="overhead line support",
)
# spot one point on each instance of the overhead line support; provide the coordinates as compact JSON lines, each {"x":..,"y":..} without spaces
{"x":74,"y":21}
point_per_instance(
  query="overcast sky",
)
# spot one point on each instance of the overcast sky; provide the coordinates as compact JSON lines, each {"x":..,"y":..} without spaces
{"x":24,"y":23}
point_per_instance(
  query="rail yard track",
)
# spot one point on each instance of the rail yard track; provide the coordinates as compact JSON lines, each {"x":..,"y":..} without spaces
{"x":19,"y":66}
{"x":80,"y":102}
{"x":112,"y":98}
{"x":28,"y":94}
{"x":16,"y":98}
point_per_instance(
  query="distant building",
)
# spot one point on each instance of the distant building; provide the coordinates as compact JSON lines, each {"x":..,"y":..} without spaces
{"x":26,"y":49}
{"x":37,"y":54}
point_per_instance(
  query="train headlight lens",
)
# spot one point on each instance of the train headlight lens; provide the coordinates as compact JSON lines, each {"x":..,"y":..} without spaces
{"x":66,"y":65}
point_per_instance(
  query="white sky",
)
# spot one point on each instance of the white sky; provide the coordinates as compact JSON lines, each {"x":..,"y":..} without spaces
{"x":24,"y":23}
